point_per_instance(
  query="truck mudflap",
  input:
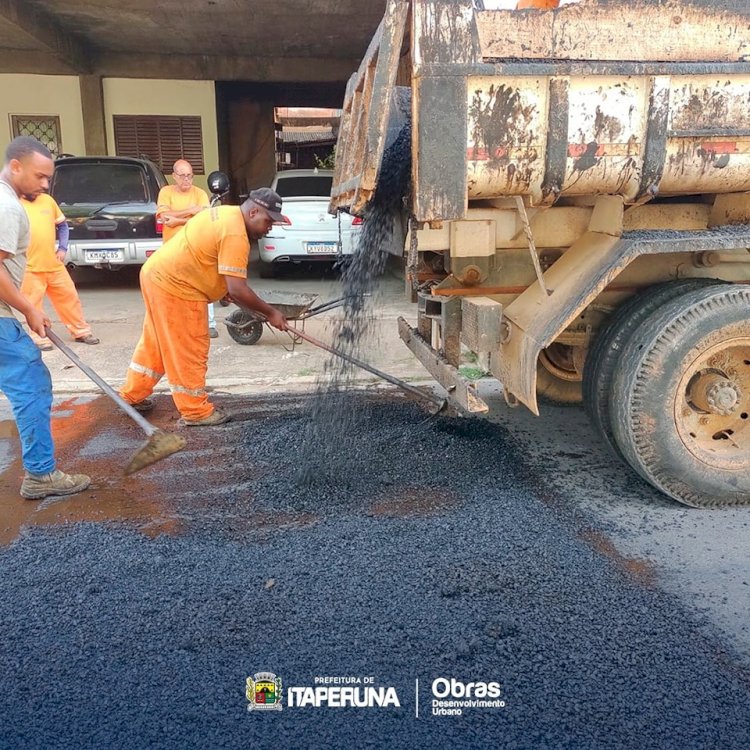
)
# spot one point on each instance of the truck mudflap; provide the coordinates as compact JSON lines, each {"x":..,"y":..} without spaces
{"x":462,"y":393}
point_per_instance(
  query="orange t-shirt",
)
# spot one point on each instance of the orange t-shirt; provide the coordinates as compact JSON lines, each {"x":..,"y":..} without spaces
{"x":193,"y":264}
{"x":171,"y":199}
{"x":44,"y":215}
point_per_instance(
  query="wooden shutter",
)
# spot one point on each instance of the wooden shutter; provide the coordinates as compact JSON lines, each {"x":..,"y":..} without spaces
{"x":162,"y":138}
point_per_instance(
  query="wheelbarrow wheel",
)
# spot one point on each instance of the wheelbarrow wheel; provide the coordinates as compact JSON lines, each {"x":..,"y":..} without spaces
{"x":243,"y":328}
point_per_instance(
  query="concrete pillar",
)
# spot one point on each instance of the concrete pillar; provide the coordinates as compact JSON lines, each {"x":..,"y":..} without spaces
{"x":92,"y":107}
{"x":252,"y":145}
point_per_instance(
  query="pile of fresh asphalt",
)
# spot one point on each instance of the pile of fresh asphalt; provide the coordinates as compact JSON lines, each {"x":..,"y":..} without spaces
{"x":434,"y":551}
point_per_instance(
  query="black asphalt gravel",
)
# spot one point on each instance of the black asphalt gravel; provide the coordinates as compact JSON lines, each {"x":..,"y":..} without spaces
{"x":427,"y":549}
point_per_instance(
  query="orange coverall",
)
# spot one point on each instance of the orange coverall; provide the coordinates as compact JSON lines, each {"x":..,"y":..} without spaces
{"x":45,"y":274}
{"x":176,"y":283}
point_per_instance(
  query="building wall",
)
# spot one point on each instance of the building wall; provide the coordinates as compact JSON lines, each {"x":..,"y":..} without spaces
{"x":129,"y":96}
{"x":22,"y":94}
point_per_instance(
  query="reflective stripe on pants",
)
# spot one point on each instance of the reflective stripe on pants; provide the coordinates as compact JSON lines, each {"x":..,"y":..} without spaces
{"x":174,"y":341}
{"x":26,"y":381}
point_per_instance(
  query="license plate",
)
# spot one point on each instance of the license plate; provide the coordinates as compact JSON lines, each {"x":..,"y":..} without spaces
{"x":321,"y":248}
{"x":110,"y":255}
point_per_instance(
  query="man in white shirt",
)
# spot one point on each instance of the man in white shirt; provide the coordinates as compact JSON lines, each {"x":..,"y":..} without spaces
{"x":24,"y":378}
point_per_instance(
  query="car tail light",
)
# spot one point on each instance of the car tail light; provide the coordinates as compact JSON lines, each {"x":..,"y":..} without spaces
{"x":356,"y":221}
{"x":270,"y":247}
{"x":159,"y":226}
{"x":285,"y":222}
{"x":149,"y":253}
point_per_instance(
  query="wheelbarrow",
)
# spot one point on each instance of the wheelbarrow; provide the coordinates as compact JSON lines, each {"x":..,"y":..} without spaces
{"x":246,"y":328}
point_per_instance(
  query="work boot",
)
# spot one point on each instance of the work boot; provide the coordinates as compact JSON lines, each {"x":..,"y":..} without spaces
{"x":213,"y":333}
{"x":37,"y":486}
{"x":217,"y":417}
{"x":143,"y":406}
{"x":45,"y":346}
{"x":87,"y":339}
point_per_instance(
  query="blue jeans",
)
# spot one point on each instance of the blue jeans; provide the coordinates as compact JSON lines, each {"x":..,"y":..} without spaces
{"x":26,"y":381}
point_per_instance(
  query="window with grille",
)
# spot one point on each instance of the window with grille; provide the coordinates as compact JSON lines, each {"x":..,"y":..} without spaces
{"x":45,"y":128}
{"x":162,"y":138}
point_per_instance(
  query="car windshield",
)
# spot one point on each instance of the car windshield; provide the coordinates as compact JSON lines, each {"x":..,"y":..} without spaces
{"x":291,"y":187}
{"x":99,"y":183}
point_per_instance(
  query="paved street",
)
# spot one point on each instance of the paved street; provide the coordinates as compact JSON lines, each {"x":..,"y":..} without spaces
{"x":513,"y":550}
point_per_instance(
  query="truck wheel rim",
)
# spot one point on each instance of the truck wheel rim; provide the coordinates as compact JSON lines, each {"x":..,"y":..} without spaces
{"x":558,"y":359}
{"x":712,"y":408}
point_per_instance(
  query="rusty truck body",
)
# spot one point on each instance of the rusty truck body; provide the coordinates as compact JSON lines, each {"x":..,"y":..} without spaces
{"x":579,"y":214}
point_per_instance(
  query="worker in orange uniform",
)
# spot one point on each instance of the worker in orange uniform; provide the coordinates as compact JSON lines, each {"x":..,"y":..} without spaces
{"x":46,"y":272}
{"x":176,"y":205}
{"x":540,"y":4}
{"x":204,"y":262}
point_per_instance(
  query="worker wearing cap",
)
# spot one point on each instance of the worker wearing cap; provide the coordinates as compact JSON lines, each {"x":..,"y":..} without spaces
{"x":45,"y":270}
{"x":176,"y":205}
{"x":204,"y":262}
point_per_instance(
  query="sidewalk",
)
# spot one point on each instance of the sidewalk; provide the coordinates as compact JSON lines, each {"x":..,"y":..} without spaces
{"x":113,"y":306}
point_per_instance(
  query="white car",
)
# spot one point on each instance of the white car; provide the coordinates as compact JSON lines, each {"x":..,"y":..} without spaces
{"x":309,"y":232}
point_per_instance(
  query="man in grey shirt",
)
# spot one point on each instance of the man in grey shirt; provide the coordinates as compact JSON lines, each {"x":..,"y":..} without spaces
{"x":24,"y":378}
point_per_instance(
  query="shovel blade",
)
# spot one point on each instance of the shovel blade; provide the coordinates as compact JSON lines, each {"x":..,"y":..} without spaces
{"x":158,"y":446}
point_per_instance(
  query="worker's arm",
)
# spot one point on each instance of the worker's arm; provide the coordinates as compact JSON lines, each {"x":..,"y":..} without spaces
{"x":62,"y":231}
{"x":185,"y":213}
{"x":244,"y":296}
{"x":36,"y":319}
{"x":179,"y":218}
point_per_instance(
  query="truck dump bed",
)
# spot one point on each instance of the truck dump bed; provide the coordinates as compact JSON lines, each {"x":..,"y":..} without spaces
{"x":579,"y":215}
{"x":546,"y":104}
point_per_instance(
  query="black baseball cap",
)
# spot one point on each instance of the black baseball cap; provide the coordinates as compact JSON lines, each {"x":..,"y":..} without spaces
{"x":269,"y":200}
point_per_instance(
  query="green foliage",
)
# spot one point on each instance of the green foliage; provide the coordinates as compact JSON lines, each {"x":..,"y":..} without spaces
{"x":327,"y":162}
{"x":472,"y":373}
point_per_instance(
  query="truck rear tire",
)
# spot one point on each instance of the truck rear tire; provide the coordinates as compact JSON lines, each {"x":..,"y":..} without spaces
{"x":680,"y":401}
{"x":557,"y":380}
{"x":604,"y":355}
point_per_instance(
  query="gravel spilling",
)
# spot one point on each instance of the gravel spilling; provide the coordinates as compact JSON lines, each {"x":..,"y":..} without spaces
{"x":332,"y":411}
{"x":433,"y":551}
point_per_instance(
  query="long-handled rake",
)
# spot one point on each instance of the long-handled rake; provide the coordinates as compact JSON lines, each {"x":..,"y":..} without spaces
{"x":441,"y":403}
{"x":159,"y":445}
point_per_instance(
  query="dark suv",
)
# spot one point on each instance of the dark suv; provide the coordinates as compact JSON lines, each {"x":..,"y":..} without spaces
{"x":110,"y":205}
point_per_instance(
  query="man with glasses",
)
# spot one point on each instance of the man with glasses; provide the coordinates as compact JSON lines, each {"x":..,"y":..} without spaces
{"x":177,"y":204}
